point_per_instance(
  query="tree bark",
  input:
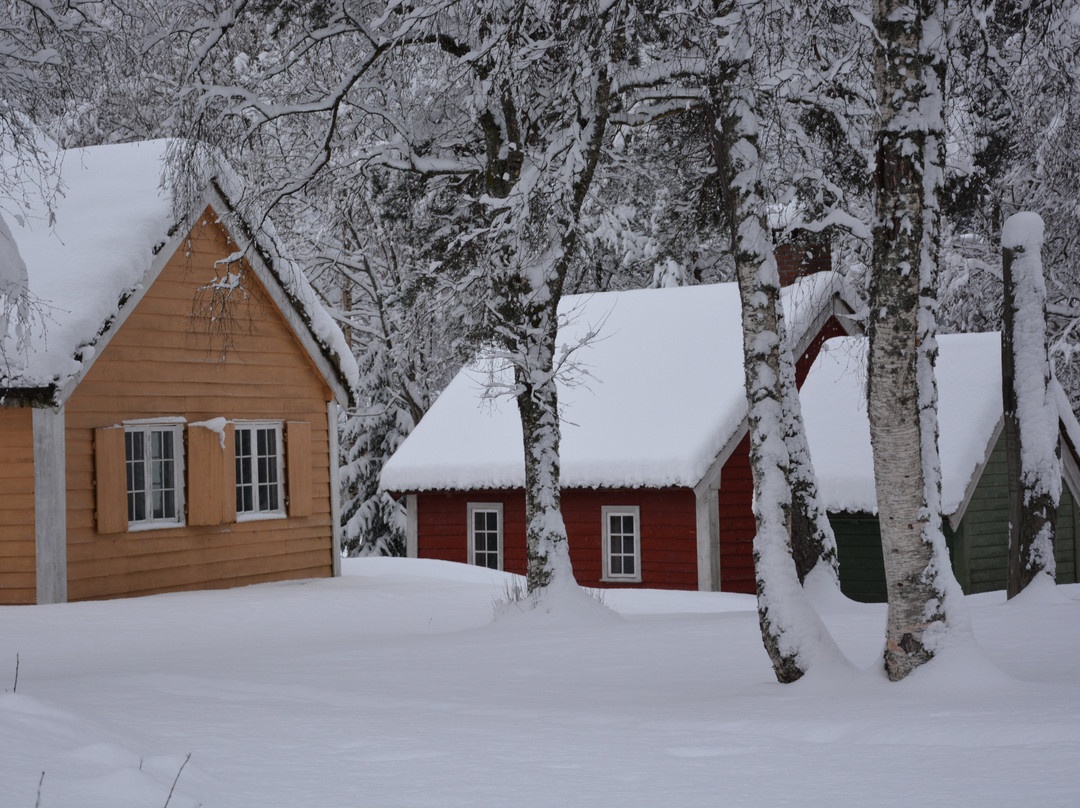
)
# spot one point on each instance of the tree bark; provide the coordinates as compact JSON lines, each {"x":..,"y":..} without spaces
{"x":813,"y":544}
{"x":791,"y":630}
{"x":902,"y":393}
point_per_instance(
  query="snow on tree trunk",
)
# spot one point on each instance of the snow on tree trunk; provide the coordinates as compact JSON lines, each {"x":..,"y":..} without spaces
{"x":909,"y":80}
{"x":14,"y":293}
{"x":545,"y":533}
{"x":791,"y":630}
{"x":1031,"y":417}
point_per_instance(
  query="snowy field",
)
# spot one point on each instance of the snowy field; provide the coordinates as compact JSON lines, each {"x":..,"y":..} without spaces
{"x":394,"y":686}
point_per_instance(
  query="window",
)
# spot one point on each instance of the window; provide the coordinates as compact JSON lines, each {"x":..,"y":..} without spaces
{"x":622,"y":544}
{"x":485,"y":534}
{"x":258,"y":470}
{"x":153,"y":465}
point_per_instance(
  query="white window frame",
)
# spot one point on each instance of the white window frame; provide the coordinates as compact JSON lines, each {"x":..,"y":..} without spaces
{"x":474,"y":507}
{"x":256,"y":482}
{"x":146,"y":427}
{"x":606,"y":512}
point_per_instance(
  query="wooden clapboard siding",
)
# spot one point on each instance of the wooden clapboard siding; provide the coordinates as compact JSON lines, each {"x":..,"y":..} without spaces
{"x":668,"y":531}
{"x":737,"y":525}
{"x":163,"y":362}
{"x":862,"y":565}
{"x":979,"y":548}
{"x":18,"y":552}
{"x":1065,"y":549}
{"x":736,"y":495}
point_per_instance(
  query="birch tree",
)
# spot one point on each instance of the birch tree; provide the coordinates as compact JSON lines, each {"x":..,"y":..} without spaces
{"x":793,"y":634}
{"x":909,"y":79}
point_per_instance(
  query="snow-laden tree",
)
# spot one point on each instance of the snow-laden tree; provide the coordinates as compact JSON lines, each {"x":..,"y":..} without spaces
{"x":909,"y":77}
{"x":1031,"y":416}
{"x":793,"y":634}
{"x":508,"y":102}
{"x":1013,"y":124}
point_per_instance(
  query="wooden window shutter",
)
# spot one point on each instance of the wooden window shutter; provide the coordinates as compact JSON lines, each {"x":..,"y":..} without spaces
{"x":298,"y":467}
{"x":228,"y":506}
{"x":206,"y":491}
{"x":110,"y":473}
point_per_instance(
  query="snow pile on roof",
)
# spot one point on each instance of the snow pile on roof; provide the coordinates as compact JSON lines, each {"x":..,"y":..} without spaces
{"x":111,"y":215}
{"x":838,"y":428}
{"x":92,"y":250}
{"x":660,"y":392}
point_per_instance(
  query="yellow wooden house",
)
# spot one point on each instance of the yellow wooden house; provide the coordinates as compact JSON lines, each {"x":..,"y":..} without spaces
{"x":169,"y":394}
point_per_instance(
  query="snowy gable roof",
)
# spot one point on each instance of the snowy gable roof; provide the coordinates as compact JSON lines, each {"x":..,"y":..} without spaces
{"x":659,"y":395}
{"x":969,"y":415}
{"x":92,"y":252}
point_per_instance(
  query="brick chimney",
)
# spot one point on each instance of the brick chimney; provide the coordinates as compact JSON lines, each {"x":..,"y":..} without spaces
{"x":804,"y":253}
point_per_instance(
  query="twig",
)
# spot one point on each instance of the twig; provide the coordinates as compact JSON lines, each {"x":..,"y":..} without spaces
{"x":37,"y":802}
{"x":176,"y":779}
{"x":15,"y":687}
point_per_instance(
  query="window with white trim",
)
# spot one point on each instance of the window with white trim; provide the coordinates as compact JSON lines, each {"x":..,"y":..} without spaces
{"x":621,"y":542}
{"x":259,"y":464}
{"x":153,"y":461}
{"x":486,"y":534}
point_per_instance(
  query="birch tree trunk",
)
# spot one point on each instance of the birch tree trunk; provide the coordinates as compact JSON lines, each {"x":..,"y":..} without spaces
{"x":1031,"y":418}
{"x":813,"y":544}
{"x":791,"y":630}
{"x":909,"y":80}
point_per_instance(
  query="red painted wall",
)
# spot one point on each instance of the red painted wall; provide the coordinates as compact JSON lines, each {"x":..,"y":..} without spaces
{"x":737,"y":525}
{"x":668,"y":531}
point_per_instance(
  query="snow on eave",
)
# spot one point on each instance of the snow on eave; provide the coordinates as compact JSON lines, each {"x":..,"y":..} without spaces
{"x":976,"y":475}
{"x":294,"y":295}
{"x":1070,"y":431}
{"x":128,"y":301}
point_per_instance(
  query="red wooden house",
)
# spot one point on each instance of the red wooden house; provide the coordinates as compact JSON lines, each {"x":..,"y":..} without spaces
{"x":656,"y":487}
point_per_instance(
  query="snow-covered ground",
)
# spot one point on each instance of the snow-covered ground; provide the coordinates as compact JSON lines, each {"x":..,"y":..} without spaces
{"x":394,"y":686}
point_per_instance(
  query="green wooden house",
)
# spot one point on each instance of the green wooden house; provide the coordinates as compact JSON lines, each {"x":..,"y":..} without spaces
{"x":972,"y":445}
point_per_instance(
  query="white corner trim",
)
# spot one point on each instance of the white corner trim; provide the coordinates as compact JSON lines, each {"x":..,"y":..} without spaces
{"x":708,"y":540}
{"x":335,"y":488}
{"x":50,"y":504}
{"x":973,"y":483}
{"x":412,"y":527}
{"x":711,"y":478}
{"x":1070,"y":472}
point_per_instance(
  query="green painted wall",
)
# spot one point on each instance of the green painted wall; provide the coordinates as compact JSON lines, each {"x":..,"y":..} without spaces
{"x":979,"y":547}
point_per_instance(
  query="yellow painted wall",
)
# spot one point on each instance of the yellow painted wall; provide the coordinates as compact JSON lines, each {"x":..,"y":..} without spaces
{"x":167,"y":360}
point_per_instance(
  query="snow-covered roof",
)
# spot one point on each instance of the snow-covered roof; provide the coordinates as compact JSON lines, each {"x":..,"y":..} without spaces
{"x":95,"y":249}
{"x":969,"y":413}
{"x":659,"y":394}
